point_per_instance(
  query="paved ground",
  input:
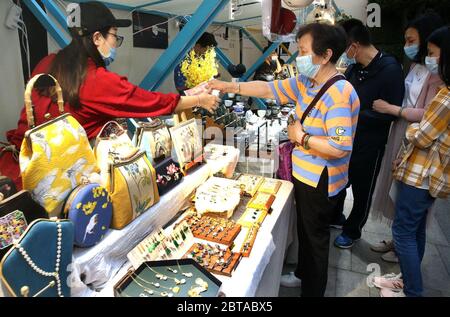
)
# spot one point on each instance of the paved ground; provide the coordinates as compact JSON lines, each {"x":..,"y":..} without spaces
{"x":347,"y":272}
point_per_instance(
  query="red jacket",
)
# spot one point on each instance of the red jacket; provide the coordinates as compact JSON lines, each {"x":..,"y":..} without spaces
{"x":104,"y":96}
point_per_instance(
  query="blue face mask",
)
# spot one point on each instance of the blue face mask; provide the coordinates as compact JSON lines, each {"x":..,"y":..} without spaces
{"x":306,"y":67}
{"x":111,"y":56}
{"x":347,"y":60}
{"x":432,"y":64}
{"x":411,"y":51}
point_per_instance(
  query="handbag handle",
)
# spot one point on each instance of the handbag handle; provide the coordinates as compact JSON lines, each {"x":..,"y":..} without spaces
{"x":118,"y":126}
{"x":178,"y":118}
{"x":29,"y":105}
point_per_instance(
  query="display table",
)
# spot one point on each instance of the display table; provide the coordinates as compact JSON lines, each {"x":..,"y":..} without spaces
{"x":258,"y":275}
{"x":92,"y":268}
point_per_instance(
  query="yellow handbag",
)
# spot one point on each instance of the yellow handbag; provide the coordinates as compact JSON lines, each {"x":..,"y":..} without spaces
{"x":55,"y":156}
{"x":132,"y":187}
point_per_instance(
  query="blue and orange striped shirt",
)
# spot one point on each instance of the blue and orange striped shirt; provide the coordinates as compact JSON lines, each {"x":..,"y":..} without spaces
{"x":335,"y":116}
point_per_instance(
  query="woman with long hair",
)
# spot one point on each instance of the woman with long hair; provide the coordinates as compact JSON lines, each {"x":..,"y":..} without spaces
{"x":93,"y":95}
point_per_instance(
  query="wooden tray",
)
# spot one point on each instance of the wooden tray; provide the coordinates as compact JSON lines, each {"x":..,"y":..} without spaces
{"x":199,"y":252}
{"x":261,"y":201}
{"x":249,"y":241}
{"x":200,"y":227}
{"x":250,"y":183}
{"x":270,"y":186}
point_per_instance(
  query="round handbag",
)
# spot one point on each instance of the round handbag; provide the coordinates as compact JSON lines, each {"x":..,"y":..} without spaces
{"x":89,"y":207}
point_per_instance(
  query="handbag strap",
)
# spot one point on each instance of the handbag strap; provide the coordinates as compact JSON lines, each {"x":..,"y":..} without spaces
{"x":28,"y":103}
{"x":319,"y":95}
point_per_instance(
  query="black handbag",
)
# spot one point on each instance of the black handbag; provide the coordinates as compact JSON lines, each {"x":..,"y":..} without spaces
{"x":16,"y":213}
{"x":168,"y":175}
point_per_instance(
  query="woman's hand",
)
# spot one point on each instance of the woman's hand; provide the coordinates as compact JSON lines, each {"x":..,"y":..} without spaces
{"x":224,"y":87}
{"x":382,"y":106}
{"x":295,"y":132}
{"x":395,"y":164}
{"x":208,"y":102}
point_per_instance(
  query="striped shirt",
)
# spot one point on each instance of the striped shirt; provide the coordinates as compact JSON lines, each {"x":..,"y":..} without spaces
{"x":335,"y":116}
{"x":425,"y":161}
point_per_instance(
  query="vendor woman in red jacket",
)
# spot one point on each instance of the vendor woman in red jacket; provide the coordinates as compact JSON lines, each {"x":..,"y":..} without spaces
{"x":93,"y":95}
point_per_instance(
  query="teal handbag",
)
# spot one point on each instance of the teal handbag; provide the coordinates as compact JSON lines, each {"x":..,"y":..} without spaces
{"x":38,"y":263}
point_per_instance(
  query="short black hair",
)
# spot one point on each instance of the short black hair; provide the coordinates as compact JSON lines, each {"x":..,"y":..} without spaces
{"x":325,"y":36}
{"x":425,"y":24}
{"x":357,"y":32}
{"x":441,"y":38}
{"x":207,"y":40}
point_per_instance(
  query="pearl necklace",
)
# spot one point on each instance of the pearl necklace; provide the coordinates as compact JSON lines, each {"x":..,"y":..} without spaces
{"x":58,"y":258}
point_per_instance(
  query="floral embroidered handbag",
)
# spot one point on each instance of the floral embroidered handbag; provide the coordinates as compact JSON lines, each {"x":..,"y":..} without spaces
{"x":132,"y":186}
{"x":153,"y":138}
{"x":112,"y":142}
{"x":38,"y":265}
{"x":89,"y":208}
{"x":16,"y":212}
{"x":168,"y":175}
{"x":54,"y":156}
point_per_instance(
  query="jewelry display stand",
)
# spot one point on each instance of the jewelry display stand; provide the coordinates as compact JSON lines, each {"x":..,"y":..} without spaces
{"x":213,"y":229}
{"x":168,"y":278}
{"x":261,"y":201}
{"x":213,"y":258}
{"x":250,"y":183}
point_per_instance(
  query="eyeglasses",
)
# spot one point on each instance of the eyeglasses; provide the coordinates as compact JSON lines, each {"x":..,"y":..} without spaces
{"x":119,"y":39}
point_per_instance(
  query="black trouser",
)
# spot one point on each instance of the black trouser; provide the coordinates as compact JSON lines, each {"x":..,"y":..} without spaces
{"x":315,"y":212}
{"x":363,"y":172}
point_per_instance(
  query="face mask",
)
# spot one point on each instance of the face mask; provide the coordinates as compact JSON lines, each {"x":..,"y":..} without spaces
{"x":347,"y":60}
{"x":411,"y":51}
{"x":432,"y":64}
{"x":111,"y":56}
{"x":306,"y":67}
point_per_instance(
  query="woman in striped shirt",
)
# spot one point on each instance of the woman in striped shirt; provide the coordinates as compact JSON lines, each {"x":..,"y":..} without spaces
{"x":325,"y":139}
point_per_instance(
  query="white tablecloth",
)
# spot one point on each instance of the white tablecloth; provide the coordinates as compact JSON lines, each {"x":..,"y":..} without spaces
{"x":92,"y":268}
{"x":258,"y":275}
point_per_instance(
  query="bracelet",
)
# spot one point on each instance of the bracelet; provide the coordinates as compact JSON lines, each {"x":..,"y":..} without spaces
{"x":302,"y":142}
{"x":400,"y":112}
{"x":239,"y":88}
{"x":306,"y":146}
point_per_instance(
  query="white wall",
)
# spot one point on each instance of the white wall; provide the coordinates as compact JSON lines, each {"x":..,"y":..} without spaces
{"x":355,"y":8}
{"x":12,"y":85}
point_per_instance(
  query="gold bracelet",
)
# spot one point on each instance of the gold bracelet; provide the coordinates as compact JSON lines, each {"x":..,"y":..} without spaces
{"x":400,"y":112}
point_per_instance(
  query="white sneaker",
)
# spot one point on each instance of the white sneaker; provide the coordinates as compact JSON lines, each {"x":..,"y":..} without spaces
{"x":290,"y":280}
{"x":386,"y":292}
{"x":390,"y":257}
{"x":383,"y":246}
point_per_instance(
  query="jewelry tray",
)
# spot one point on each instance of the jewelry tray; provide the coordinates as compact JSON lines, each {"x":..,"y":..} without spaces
{"x":127,"y":287}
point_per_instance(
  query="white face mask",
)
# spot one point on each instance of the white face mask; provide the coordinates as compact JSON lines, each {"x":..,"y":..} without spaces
{"x":432,"y":64}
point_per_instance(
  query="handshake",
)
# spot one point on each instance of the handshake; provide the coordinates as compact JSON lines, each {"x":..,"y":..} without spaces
{"x":208,"y":93}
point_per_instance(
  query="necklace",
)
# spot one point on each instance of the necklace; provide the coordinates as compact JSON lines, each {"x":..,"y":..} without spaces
{"x":165,"y":277}
{"x":189,"y":274}
{"x":40,"y":271}
{"x":147,"y":290}
{"x":175,"y":289}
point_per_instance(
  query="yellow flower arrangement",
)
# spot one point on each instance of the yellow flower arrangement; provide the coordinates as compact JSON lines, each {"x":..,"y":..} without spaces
{"x":199,"y":69}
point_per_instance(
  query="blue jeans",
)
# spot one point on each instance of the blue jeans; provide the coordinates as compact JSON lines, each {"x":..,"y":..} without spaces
{"x":409,"y":234}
